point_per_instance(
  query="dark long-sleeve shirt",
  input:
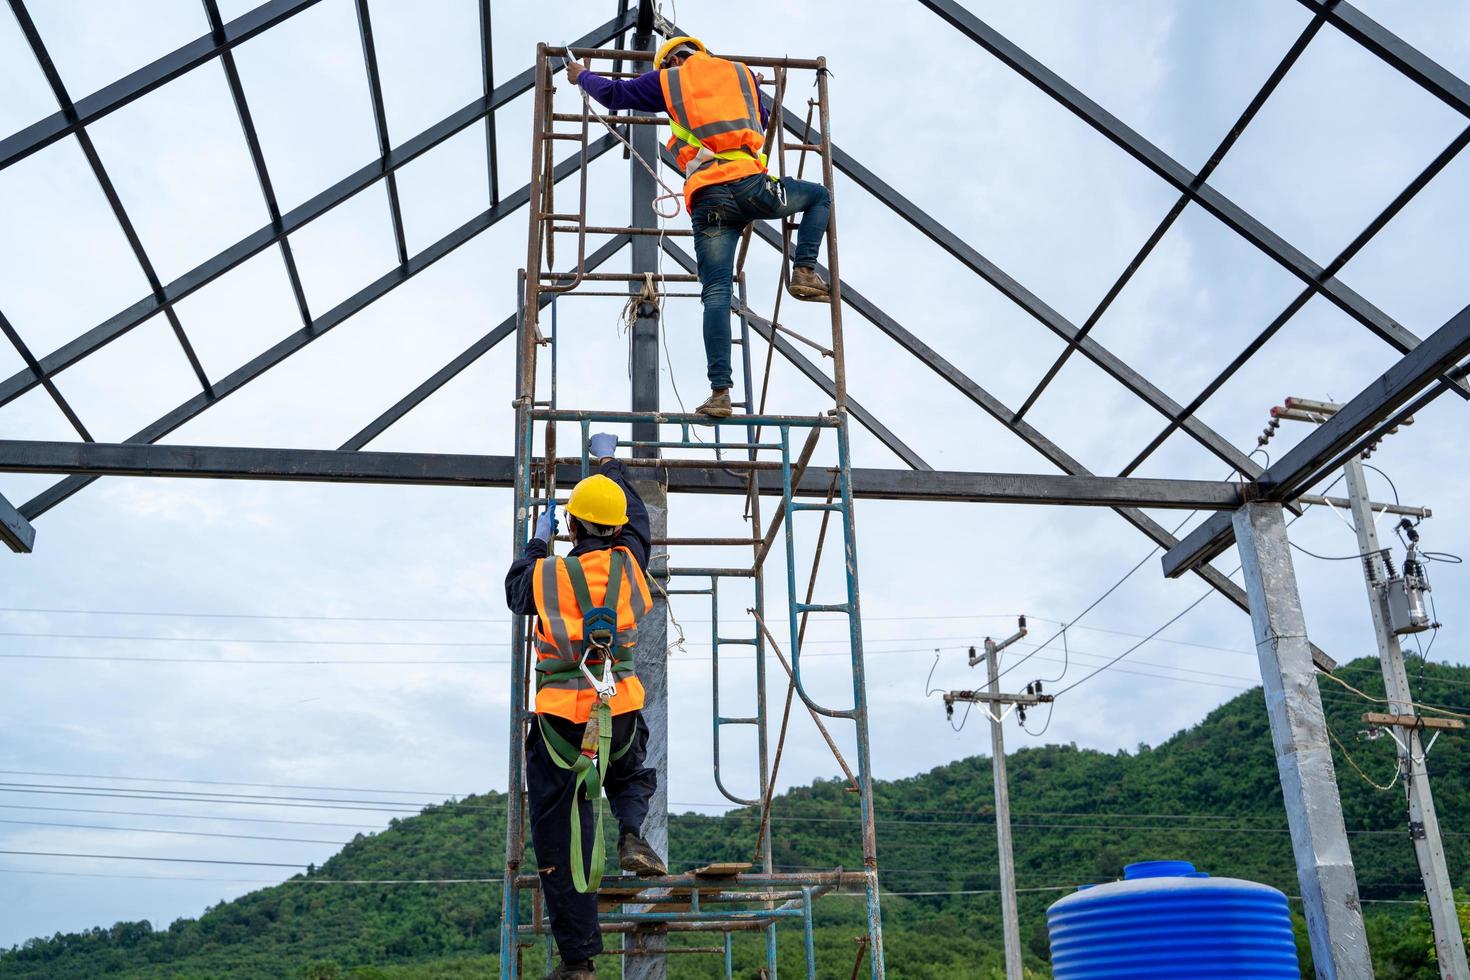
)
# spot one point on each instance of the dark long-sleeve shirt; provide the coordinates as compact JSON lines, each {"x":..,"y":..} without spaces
{"x":643,"y":94}
{"x":635,"y":536}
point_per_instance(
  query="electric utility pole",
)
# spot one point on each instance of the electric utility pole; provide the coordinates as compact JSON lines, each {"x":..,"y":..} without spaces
{"x":1396,"y":603}
{"x":1011,"y":922}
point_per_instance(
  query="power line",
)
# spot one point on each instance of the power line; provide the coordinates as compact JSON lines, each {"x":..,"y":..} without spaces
{"x":176,"y":799}
{"x":134,"y":857}
{"x":232,"y":797}
{"x":187,"y":816}
{"x":181,"y":833}
{"x":224,"y":782}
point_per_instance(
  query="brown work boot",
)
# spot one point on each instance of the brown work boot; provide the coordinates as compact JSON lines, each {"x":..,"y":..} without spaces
{"x":806,"y":284}
{"x":717,"y":405}
{"x":635,"y":855}
{"x":573,"y":971}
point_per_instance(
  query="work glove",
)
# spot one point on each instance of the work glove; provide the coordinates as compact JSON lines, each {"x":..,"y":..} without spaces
{"x":546,"y":526}
{"x":602,"y":445}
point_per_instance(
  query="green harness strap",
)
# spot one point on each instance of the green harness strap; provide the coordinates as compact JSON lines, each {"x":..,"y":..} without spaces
{"x":589,"y":779}
{"x":589,"y":776}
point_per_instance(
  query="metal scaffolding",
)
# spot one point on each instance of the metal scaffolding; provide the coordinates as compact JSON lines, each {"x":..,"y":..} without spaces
{"x":1248,"y":505}
{"x":728,"y":898}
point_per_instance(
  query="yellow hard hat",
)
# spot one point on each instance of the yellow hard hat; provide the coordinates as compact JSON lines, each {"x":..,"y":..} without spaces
{"x":668,"y":47}
{"x":598,"y":500}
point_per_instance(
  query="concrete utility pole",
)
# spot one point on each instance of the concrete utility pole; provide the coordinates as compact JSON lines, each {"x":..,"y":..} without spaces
{"x":1449,"y":945}
{"x":1324,"y":863}
{"x":1010,"y":915}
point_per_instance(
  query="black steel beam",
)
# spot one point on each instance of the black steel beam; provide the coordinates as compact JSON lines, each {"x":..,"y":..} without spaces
{"x":1353,"y":248}
{"x":136,"y":84}
{"x":1231,"y":136}
{"x":1179,"y":176}
{"x":109,"y":191}
{"x":291,"y":222}
{"x":257,"y":155}
{"x":487,"y":68}
{"x":1379,"y":406}
{"x":972,"y":259}
{"x":1028,"y":433}
{"x":380,"y":123}
{"x":442,"y":469}
{"x":817,"y":375}
{"x":263,"y":362}
{"x":24,"y":351}
{"x":469,"y":356}
{"x":17,"y":533}
{"x":1443,"y":84}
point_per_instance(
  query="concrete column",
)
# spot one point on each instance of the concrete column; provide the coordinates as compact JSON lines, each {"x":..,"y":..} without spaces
{"x":1324,"y":864}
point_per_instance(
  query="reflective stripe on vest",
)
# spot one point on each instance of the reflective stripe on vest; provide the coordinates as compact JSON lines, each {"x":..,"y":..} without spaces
{"x":561,"y":689}
{"x":693,"y":116}
{"x":714,"y":112}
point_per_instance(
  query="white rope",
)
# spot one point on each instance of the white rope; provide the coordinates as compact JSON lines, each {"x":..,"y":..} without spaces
{"x":677,"y":196}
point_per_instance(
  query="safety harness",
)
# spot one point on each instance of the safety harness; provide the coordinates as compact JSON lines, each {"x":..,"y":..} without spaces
{"x":589,"y":762}
{"x":705,"y":155}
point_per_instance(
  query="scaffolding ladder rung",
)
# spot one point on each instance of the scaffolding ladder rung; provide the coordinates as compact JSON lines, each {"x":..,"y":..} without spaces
{"x":620,"y":276}
{"x":834,"y":507}
{"x":737,"y":641}
{"x":832,"y":607}
{"x":737,"y":721}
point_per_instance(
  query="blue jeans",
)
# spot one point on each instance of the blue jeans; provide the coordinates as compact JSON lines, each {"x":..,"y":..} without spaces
{"x":720,"y":214}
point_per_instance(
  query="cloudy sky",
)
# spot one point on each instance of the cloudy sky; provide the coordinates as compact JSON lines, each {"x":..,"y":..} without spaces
{"x":170,"y":635}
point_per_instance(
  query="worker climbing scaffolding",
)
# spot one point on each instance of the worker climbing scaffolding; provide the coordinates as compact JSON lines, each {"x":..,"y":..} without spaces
{"x":589,"y":735}
{"x":719,"y":125}
{"x":591,"y":727}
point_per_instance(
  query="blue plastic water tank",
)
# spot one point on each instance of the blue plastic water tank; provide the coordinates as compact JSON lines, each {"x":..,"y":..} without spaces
{"x":1167,"y":920}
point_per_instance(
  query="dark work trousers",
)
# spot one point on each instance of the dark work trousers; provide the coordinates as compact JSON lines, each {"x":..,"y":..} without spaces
{"x":628,"y":785}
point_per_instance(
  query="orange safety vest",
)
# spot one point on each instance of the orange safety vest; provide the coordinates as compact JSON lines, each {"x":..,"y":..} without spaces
{"x":561,"y":687}
{"x":714,"y":109}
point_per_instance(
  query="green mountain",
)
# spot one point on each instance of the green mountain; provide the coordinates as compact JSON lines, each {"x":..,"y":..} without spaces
{"x":1209,"y":794}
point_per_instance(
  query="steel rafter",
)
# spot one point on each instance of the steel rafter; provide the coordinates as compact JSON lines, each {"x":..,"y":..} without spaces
{"x":1428,"y":74}
{"x":17,"y":533}
{"x":470,"y":355}
{"x":470,"y":470}
{"x":257,"y":156}
{"x":487,"y":67}
{"x":1231,"y":136}
{"x":24,"y":351}
{"x":1179,"y":176}
{"x":292,"y":221}
{"x":263,"y":362}
{"x":1363,"y":420}
{"x":970,"y":257}
{"x":1028,"y":433}
{"x":89,"y":150}
{"x":380,"y":123}
{"x":803,"y":364}
{"x":134,"y":85}
{"x":1353,"y":248}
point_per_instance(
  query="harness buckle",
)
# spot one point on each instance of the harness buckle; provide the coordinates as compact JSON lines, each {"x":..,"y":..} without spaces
{"x":599,"y":634}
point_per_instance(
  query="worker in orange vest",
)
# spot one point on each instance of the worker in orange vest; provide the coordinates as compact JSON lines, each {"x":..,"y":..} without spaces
{"x":719,"y":123}
{"x":589,"y":734}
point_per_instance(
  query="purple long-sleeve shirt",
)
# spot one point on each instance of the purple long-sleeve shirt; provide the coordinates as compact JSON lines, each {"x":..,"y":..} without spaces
{"x":643,"y":94}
